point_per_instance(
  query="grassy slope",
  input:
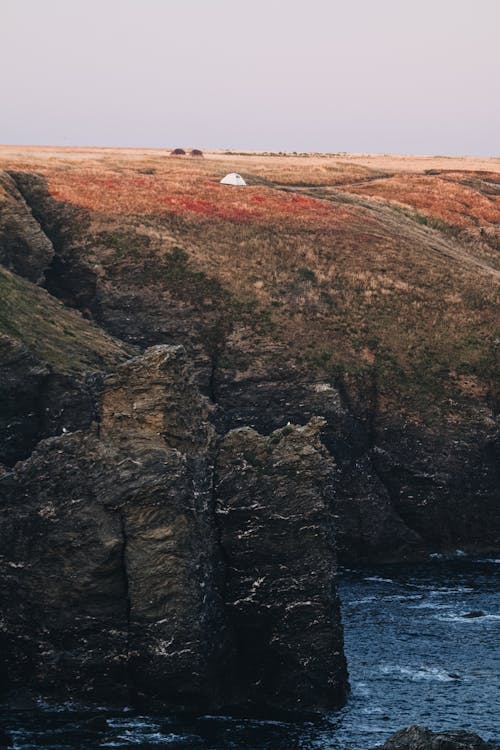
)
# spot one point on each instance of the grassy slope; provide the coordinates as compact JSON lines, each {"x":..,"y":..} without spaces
{"x":58,"y":336}
{"x":352,"y":267}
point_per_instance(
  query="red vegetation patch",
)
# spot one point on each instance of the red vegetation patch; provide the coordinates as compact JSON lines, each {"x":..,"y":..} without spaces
{"x":130,"y":194}
{"x":439,"y":197}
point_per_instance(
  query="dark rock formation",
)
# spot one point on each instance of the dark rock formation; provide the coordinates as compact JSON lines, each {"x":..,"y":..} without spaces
{"x":274,"y":505}
{"x":21,"y":380}
{"x":112,"y":575}
{"x":421,"y":738}
{"x":37,"y":401}
{"x":158,"y":548}
{"x":474,"y":613}
{"x":402,"y":489}
{"x":110,"y":541}
{"x":24,"y":247}
{"x":271,"y":393}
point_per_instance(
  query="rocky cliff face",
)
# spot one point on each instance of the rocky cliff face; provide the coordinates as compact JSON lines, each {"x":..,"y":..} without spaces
{"x":274,"y":501}
{"x":160,"y":544}
{"x":404,"y":487}
{"x":24,"y":247}
{"x":118,"y":576}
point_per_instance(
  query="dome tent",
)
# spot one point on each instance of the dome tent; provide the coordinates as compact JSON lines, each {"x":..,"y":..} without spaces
{"x":233,"y":179}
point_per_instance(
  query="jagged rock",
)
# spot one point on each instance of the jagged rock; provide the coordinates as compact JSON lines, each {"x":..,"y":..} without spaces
{"x":403,"y":489}
{"x":421,"y":738}
{"x":6,"y":739}
{"x":22,"y":376}
{"x":154,"y":398}
{"x":117,"y":583}
{"x":474,"y":613}
{"x":274,"y":498}
{"x":38,"y":401}
{"x":96,"y":724}
{"x":110,"y":568}
{"x":24,"y":248}
{"x":271,"y":393}
{"x":51,"y":365}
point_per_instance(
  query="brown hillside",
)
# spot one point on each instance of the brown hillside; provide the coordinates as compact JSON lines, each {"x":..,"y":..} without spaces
{"x":343,"y":264}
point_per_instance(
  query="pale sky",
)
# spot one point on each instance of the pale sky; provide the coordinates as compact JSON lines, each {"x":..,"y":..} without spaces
{"x":398,"y":76}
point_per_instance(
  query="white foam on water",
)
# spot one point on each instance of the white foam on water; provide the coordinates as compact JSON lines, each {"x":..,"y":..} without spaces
{"x":138,"y":722}
{"x":365,"y":600}
{"x":453,"y":617}
{"x":360,"y":690}
{"x":152,"y":738}
{"x":217,"y":717}
{"x":429,"y":605}
{"x":443,"y":590}
{"x":400,"y":597}
{"x":429,"y":674}
{"x":372,"y":710}
{"x":378,"y":579}
{"x":448,"y":556}
{"x":267,"y":722}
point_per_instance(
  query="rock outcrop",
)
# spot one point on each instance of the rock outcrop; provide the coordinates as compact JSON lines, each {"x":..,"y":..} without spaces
{"x":111,"y":571}
{"x":421,"y":738}
{"x":24,"y":247}
{"x":160,"y":545}
{"x":51,"y":367}
{"x":404,"y":487}
{"x":38,"y":401}
{"x":116,"y":579}
{"x":274,"y":505}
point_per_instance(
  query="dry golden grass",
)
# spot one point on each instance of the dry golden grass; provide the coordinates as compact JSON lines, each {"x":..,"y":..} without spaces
{"x":443,"y":196}
{"x":335,"y":253}
{"x":57,"y":335}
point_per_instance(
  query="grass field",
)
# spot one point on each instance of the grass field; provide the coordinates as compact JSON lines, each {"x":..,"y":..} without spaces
{"x":385,"y":266}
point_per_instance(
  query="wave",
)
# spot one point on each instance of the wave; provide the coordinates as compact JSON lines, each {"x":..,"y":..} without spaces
{"x":378,"y":579}
{"x":400,"y":598}
{"x":458,"y":553}
{"x":432,"y":674}
{"x":429,"y":604}
{"x":453,"y":617}
{"x":141,"y":738}
{"x":443,"y":590}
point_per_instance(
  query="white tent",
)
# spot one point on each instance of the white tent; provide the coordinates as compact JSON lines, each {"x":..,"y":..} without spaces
{"x":233,"y":179}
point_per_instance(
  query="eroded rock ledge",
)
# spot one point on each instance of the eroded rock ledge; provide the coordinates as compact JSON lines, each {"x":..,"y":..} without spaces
{"x":421,"y":738}
{"x":132,"y":572}
{"x":274,"y":508}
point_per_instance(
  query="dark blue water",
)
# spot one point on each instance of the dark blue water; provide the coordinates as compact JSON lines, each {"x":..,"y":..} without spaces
{"x":413,"y":658}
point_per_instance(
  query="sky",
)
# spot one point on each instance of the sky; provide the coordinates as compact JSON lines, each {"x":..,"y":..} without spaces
{"x":370,"y":76}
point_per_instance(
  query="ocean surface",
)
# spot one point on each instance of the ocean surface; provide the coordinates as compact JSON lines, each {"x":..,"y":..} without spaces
{"x":413,"y":658}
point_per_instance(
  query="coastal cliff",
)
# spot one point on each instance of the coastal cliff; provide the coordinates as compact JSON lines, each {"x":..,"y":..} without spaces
{"x":203,"y":399}
{"x":287,"y":314}
{"x":123,"y":567}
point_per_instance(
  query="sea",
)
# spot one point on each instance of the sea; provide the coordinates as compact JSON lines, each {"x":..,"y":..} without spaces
{"x":414,"y":658}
